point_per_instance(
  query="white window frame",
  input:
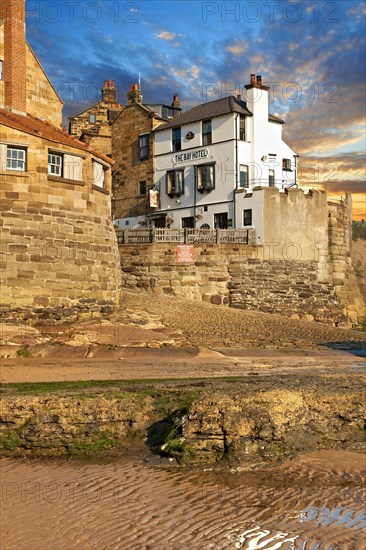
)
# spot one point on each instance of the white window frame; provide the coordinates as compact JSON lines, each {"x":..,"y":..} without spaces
{"x":251,"y":217}
{"x":244,"y":182}
{"x":17,"y":163}
{"x":144,"y":146}
{"x":55,"y":168}
{"x":97,"y":181}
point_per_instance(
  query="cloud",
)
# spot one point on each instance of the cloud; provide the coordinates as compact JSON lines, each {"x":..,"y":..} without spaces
{"x":238,"y":48}
{"x":166,"y":35}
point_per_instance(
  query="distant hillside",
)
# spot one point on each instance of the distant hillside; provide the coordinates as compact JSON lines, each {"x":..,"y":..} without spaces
{"x":359,"y":230}
{"x":358,"y":254}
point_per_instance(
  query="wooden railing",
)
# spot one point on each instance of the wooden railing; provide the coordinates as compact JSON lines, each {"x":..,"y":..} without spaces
{"x":186,"y":236}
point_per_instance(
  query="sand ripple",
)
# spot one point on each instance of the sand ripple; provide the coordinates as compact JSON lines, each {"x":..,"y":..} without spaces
{"x":313,"y":503}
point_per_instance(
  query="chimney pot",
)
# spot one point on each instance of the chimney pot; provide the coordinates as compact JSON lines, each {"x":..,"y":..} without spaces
{"x":259,"y":80}
{"x":252,"y":78}
{"x":238,"y":97}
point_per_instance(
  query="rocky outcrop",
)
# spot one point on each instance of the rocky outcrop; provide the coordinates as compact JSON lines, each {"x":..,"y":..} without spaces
{"x":250,"y":423}
{"x":268,"y":426}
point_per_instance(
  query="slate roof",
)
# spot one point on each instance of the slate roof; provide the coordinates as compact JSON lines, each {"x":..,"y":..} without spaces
{"x":212,"y":109}
{"x":40,"y":128}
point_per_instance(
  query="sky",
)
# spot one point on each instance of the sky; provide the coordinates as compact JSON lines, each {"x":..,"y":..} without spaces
{"x":311,"y":53}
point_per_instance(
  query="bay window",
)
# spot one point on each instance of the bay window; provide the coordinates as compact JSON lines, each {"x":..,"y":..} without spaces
{"x":205,"y":175}
{"x":175,"y":182}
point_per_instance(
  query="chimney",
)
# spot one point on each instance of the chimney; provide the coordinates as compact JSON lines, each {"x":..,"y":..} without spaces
{"x":134,"y":95}
{"x":12,"y":12}
{"x":252,"y":78}
{"x":109,"y":92}
{"x":176,"y":102}
{"x":259,"y":80}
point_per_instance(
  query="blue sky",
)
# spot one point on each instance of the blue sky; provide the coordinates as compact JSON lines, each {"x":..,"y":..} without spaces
{"x":311,"y":52}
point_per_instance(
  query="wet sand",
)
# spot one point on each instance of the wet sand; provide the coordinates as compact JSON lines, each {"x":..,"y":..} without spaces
{"x":313,"y":503}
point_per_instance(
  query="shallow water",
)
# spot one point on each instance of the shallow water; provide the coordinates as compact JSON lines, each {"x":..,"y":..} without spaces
{"x":313,"y":503}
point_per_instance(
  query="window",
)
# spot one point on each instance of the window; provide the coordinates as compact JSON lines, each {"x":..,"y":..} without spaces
{"x":92,"y":118}
{"x":221,"y":221}
{"x":144,"y":146}
{"x":98,"y":174}
{"x":55,"y":163}
{"x":205,"y":177}
{"x":242,"y":128}
{"x":248,"y":217}
{"x":142,"y":188}
{"x":177,"y":139}
{"x":16,"y":159}
{"x":206,"y":132}
{"x":271,"y":178}
{"x":244,"y":176}
{"x":286,"y":165}
{"x":175,"y":182}
{"x":188,"y":222}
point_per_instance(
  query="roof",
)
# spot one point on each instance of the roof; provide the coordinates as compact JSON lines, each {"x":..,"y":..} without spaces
{"x":273,"y":118}
{"x":40,"y":128}
{"x":211,"y":109}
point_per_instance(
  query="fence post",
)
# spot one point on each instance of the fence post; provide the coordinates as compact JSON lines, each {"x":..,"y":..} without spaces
{"x":125,"y":236}
{"x":152,"y":235}
{"x":185,"y":236}
{"x":217,"y":236}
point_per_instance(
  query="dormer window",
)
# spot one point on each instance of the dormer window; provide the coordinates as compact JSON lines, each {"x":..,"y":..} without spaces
{"x":207,"y":132}
{"x":177,"y":139}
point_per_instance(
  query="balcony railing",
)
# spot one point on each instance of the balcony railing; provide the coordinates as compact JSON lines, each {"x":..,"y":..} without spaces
{"x":186,"y":236}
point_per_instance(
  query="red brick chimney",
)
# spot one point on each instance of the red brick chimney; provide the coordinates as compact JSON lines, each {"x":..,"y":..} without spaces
{"x":12,"y":12}
{"x":134,"y":95}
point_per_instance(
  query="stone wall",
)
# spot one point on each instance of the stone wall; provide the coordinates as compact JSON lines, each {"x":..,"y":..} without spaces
{"x":42,"y":99}
{"x":345,"y":281}
{"x":238,"y":275}
{"x":58,"y":245}
{"x":291,"y":288}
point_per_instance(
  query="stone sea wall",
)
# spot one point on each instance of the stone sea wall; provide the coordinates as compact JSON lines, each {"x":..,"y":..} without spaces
{"x":241,"y":276}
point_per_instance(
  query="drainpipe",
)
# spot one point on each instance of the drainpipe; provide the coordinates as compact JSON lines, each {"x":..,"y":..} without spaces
{"x":195,"y":194}
{"x":236,"y":168}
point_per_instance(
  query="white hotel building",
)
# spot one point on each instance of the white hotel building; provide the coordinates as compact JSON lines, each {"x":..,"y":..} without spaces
{"x":208,"y":160}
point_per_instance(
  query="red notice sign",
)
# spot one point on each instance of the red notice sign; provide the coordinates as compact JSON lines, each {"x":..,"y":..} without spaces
{"x":185,"y":253}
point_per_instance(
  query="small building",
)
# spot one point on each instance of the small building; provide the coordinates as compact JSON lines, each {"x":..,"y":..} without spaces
{"x":208,"y":159}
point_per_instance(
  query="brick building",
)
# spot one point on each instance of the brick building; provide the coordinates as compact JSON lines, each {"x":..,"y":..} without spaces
{"x":59,"y":252}
{"x":133,"y":153}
